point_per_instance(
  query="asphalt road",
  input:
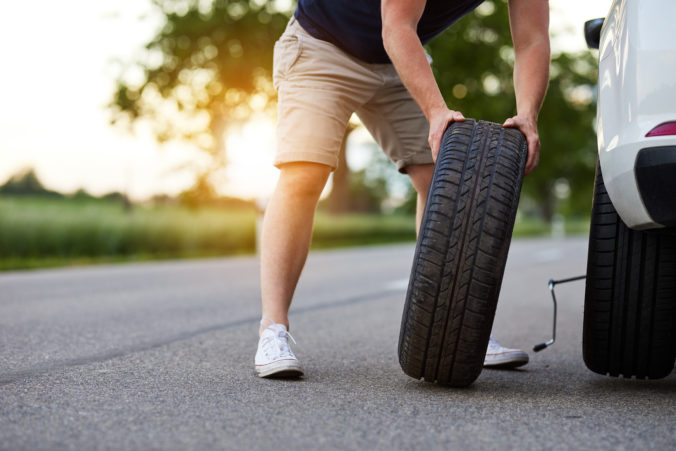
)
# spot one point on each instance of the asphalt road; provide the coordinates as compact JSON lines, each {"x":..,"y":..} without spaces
{"x":160,"y":356}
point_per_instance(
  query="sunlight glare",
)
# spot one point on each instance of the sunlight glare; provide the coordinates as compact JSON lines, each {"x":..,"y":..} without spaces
{"x":250,"y":173}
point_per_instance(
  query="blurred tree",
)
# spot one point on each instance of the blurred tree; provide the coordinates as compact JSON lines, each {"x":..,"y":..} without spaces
{"x":473,"y":63}
{"x":207,"y":69}
{"x":340,"y":199}
{"x":201,"y":193}
{"x":368,"y":187}
{"x":26,"y":183}
{"x":122,"y":198}
{"x":367,"y":194}
{"x":82,"y":194}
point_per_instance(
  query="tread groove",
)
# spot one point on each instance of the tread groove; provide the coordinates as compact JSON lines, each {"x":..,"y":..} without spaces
{"x":481,"y":227}
{"x":459,"y":260}
{"x":448,"y":239}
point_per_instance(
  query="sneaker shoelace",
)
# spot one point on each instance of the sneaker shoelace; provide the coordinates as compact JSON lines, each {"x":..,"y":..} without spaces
{"x":276,"y":345}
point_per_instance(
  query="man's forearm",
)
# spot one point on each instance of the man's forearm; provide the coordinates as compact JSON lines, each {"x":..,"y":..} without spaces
{"x":400,"y":20}
{"x":408,"y":56}
{"x":529,"y":23}
{"x":531,"y":77}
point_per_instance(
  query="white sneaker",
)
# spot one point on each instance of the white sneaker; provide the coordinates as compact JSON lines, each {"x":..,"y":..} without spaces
{"x":498,"y":356}
{"x":274,"y":357}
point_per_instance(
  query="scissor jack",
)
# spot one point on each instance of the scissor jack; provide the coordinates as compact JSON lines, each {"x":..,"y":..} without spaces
{"x":552,"y":283}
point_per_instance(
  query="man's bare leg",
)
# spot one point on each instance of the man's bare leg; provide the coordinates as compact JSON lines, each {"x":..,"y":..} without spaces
{"x":421,"y":178}
{"x":286,"y":234}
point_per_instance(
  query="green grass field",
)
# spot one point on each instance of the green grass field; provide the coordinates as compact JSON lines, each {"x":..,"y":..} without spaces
{"x":43,"y":232}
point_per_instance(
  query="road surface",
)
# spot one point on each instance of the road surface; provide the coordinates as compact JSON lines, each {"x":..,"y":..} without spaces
{"x":160,"y":356}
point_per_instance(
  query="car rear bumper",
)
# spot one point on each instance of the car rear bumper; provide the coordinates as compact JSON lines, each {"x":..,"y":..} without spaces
{"x":656,"y":180}
{"x":638,"y":202}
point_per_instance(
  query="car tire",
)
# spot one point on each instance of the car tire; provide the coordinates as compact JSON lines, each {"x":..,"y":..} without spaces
{"x":461,"y":252}
{"x":630,"y":296}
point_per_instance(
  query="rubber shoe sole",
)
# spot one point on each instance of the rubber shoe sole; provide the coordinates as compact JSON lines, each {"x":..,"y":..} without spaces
{"x":286,"y":368}
{"x":509,"y":359}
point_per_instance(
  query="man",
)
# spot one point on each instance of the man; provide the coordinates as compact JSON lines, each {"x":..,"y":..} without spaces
{"x":338,"y":57}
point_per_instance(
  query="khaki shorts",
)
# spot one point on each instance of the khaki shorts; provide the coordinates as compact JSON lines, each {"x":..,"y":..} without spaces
{"x":320,"y":86}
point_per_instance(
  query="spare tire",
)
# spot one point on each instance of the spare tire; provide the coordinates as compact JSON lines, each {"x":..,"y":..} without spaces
{"x":461,"y":252}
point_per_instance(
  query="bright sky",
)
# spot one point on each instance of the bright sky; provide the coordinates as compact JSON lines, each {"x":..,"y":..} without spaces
{"x":58,"y":74}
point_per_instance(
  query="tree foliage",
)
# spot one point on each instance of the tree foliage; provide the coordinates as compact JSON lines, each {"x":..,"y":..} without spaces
{"x":208,"y":68}
{"x":26,"y":183}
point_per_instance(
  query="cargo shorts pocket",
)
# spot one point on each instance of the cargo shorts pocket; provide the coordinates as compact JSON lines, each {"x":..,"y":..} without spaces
{"x":286,"y":53}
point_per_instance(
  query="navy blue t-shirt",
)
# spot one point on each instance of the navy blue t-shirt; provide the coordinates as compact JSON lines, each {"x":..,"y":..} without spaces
{"x":355,"y":25}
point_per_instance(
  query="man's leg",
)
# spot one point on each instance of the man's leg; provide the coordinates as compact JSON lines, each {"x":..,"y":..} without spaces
{"x":287,"y":229}
{"x":421,"y":178}
{"x":286,"y":234}
{"x":319,"y":88}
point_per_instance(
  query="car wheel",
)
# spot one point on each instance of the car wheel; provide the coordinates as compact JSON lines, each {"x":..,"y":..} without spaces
{"x":461,"y":252}
{"x":630,"y":297}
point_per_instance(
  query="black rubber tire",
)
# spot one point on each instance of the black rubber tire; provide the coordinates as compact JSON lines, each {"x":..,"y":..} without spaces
{"x":630,"y":297}
{"x":461,"y":253}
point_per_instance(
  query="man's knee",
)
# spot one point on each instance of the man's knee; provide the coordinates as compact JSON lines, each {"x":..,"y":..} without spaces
{"x":304,"y":180}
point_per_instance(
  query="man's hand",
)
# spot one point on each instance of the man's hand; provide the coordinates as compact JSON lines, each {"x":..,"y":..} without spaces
{"x":439,"y":121}
{"x":530,"y":129}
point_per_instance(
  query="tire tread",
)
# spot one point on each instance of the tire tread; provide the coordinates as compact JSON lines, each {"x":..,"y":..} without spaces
{"x":630,"y":296}
{"x":461,"y":253}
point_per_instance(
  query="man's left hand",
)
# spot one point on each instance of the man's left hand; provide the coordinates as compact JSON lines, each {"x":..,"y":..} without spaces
{"x":529,"y":128}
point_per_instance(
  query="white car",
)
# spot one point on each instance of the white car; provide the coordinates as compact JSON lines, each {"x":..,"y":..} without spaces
{"x":630,"y":299}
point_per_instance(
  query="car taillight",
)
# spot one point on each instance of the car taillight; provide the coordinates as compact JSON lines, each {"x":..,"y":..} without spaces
{"x":668,"y":128}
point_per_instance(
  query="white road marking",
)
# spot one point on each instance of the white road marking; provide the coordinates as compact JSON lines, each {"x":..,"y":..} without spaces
{"x":396,"y":285}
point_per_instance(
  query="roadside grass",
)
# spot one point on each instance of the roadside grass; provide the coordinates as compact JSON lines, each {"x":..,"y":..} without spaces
{"x":49,"y":232}
{"x":529,"y":227}
{"x":34,"y":231}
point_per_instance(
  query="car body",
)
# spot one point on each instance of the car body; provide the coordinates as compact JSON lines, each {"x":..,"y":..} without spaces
{"x":636,"y":115}
{"x":629,"y":326}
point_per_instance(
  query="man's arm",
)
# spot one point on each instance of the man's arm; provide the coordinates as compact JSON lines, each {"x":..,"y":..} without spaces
{"x":529,"y":21}
{"x":400,"y":20}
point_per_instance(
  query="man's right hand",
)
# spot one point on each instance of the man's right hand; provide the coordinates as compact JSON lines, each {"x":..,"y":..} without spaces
{"x":439,"y":121}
